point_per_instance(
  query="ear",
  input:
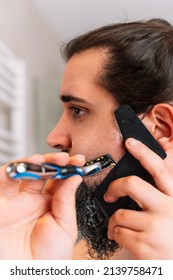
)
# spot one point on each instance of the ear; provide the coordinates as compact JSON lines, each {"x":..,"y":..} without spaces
{"x":159,"y":121}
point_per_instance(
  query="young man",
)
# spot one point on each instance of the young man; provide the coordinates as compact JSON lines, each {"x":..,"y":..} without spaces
{"x":129,"y":63}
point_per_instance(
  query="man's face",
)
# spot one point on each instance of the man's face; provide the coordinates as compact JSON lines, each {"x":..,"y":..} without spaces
{"x":87,"y":126}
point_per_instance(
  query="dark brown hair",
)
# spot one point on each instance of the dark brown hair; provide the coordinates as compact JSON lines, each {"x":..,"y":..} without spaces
{"x":139,"y":66}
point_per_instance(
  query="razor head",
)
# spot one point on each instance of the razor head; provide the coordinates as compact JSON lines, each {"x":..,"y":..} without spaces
{"x":95,"y":166}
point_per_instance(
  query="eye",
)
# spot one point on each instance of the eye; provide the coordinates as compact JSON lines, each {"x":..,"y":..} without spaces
{"x":77,"y":112}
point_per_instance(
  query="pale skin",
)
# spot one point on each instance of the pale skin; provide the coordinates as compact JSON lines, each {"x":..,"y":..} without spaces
{"x":46,"y":223}
{"x":35,"y":225}
{"x":146,"y":234}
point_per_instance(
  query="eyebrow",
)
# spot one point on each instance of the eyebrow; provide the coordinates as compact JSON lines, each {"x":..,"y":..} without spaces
{"x":71,"y":98}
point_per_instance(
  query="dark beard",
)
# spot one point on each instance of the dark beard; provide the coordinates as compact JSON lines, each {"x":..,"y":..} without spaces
{"x":92,"y":225}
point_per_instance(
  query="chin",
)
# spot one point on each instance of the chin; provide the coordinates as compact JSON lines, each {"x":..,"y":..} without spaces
{"x":95,"y":180}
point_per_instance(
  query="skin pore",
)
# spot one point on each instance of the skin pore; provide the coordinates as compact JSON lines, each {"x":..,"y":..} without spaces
{"x":87,"y":126}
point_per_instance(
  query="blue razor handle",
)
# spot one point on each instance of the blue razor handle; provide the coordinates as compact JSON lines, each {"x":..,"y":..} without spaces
{"x":30,"y":171}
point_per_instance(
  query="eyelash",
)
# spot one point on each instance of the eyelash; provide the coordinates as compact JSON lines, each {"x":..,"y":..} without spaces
{"x":77,"y":112}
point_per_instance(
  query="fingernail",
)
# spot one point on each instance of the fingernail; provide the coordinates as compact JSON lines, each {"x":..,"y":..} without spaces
{"x":109,"y":198}
{"x":132,"y":142}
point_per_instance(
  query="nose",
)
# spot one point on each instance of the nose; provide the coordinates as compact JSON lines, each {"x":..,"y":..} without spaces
{"x":59,"y":137}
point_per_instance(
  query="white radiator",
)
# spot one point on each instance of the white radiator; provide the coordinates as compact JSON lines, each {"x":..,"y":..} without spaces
{"x":12,"y":106}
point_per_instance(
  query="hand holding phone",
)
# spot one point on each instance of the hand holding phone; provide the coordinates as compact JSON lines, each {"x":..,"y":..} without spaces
{"x":130,"y":126}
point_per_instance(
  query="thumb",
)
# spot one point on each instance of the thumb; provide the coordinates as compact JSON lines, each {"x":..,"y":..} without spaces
{"x":64,"y":204}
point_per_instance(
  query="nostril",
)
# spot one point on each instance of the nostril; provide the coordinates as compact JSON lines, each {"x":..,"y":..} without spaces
{"x":65,"y":151}
{"x":61,"y":148}
{"x":57,"y":147}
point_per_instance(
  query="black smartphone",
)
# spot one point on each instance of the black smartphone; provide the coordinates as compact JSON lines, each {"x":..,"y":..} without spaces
{"x":130,"y":126}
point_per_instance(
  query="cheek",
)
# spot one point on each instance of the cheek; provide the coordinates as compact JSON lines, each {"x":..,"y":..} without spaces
{"x":81,"y":143}
{"x":114,"y":145}
{"x":98,"y":142}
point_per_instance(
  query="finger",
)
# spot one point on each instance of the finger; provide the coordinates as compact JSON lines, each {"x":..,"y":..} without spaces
{"x":77,"y":160}
{"x":145,"y":195}
{"x":133,"y":241}
{"x":63,"y":205}
{"x":24,"y":208}
{"x":63,"y":159}
{"x":7,"y":186}
{"x":153,"y":164}
{"x":33,"y":186}
{"x":135,"y":220}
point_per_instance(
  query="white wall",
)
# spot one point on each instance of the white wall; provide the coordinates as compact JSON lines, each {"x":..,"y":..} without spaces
{"x":71,"y":17}
{"x":28,"y":36}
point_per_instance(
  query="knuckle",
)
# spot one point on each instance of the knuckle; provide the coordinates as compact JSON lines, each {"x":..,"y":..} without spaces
{"x":160,"y":169}
{"x":131,"y":181}
{"x":141,"y":248}
{"x":119,"y":214}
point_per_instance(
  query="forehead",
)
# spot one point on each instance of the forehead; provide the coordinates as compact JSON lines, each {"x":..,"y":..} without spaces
{"x":82,"y":74}
{"x":86,"y":66}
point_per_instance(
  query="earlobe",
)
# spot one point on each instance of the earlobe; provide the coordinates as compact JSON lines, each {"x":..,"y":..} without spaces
{"x":159,"y":120}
